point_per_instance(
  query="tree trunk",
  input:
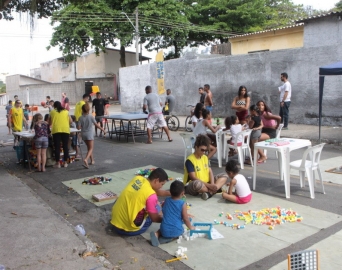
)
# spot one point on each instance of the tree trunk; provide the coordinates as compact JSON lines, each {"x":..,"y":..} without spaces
{"x":177,"y":52}
{"x":122,"y":56}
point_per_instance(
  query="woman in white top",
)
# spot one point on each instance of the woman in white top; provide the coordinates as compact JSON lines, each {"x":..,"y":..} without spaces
{"x":201,"y":128}
{"x":242,"y":192}
{"x":197,"y":114}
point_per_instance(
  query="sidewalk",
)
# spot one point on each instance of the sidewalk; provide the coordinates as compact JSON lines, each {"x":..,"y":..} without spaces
{"x":33,"y":236}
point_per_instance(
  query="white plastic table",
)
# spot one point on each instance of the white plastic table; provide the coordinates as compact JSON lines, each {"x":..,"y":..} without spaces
{"x":283,"y":158}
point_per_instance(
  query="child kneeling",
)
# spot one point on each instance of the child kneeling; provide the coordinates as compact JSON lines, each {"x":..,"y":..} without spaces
{"x":174,"y":213}
{"x":242,"y":192}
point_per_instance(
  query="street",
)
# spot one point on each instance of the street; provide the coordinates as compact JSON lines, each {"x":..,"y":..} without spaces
{"x":112,"y":155}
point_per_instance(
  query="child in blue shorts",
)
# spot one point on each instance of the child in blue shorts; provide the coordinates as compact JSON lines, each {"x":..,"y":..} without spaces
{"x":174,"y":213}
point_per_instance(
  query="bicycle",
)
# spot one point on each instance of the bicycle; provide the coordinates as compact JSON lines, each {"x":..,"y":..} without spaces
{"x":188,"y":121}
{"x":172,"y":122}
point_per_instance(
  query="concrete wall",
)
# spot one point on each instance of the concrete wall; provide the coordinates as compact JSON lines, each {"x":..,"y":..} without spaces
{"x":325,"y":31}
{"x":56,"y":71}
{"x":287,"y":38}
{"x":36,"y":93}
{"x":259,"y":72}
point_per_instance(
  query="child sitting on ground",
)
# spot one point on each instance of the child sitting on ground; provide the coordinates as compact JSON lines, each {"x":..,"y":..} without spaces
{"x":242,"y":192}
{"x":255,"y":123}
{"x":235,"y":127}
{"x":174,"y":213}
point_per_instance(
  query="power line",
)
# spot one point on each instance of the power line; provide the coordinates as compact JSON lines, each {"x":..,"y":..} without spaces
{"x":152,"y":20}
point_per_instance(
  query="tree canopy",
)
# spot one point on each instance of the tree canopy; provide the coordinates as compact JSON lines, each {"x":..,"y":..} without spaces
{"x":83,"y":24}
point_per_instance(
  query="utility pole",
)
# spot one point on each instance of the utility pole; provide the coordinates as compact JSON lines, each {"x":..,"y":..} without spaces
{"x":137,"y":36}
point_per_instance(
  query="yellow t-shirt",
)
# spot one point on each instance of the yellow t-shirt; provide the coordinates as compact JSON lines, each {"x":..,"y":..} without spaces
{"x":17,"y":116}
{"x":78,"y":109}
{"x":60,"y":121}
{"x":131,"y":201}
{"x":201,"y":169}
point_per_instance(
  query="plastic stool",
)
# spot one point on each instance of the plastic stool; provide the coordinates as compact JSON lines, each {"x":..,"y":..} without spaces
{"x":208,"y":232}
{"x":303,"y":260}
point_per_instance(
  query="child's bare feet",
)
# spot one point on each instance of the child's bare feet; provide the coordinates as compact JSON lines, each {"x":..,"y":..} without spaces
{"x":85,"y":165}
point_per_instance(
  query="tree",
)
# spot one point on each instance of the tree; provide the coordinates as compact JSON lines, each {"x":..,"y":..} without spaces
{"x":226,"y":15}
{"x":99,"y":23}
{"x":79,"y":28}
{"x":338,"y":6}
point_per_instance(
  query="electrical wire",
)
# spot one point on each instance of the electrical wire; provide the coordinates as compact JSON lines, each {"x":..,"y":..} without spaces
{"x":78,"y":17}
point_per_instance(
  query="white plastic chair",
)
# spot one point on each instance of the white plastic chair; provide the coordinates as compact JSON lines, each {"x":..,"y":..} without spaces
{"x":188,"y":140}
{"x":243,"y":136}
{"x":280,"y":127}
{"x":308,"y":165}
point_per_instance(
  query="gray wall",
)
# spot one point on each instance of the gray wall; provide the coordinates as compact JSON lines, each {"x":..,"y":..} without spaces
{"x":38,"y":92}
{"x":259,"y":72}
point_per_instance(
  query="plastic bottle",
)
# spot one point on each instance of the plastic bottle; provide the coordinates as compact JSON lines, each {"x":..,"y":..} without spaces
{"x":78,"y":228}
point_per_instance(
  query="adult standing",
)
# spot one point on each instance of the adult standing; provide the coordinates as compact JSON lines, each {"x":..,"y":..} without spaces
{"x":170,"y":101}
{"x":65,"y":102}
{"x":202,"y":95}
{"x":99,"y":108}
{"x":241,"y":104}
{"x":16,"y":117}
{"x":137,"y":206}
{"x":208,"y":101}
{"x":270,"y":124}
{"x":60,"y":121}
{"x":153,"y":103}
{"x":198,"y":176}
{"x":285,"y":99}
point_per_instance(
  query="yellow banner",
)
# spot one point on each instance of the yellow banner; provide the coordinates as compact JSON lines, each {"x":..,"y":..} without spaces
{"x":160,"y":72}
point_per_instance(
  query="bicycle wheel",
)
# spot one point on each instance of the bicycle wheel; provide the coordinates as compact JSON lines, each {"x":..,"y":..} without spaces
{"x":188,"y":124}
{"x":173,"y":123}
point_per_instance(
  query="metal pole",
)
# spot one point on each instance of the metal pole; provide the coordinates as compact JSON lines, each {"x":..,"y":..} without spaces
{"x":137,"y":36}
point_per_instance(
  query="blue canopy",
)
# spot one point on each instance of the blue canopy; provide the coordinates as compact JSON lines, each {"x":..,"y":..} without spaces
{"x":332,"y":69}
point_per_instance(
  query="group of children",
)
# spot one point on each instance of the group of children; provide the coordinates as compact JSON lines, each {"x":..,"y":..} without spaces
{"x":42,"y":131}
{"x":174,"y":208}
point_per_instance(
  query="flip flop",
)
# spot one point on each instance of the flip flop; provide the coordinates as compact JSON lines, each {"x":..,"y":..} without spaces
{"x":154,"y":239}
{"x":85,"y":166}
{"x":170,"y":140}
{"x":148,"y":142}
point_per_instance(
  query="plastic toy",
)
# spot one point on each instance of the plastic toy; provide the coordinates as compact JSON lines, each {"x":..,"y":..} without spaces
{"x":96,"y":180}
{"x":200,"y":224}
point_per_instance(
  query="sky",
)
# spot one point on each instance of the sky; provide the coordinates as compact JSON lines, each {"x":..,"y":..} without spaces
{"x":19,"y":52}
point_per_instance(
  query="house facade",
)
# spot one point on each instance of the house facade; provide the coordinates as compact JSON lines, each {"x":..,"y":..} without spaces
{"x":57,"y":76}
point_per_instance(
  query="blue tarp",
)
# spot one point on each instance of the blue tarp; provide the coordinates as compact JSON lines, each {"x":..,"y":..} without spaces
{"x":329,"y":70}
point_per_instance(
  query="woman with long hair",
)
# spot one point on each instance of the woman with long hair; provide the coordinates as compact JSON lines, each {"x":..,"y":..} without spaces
{"x":241,"y":104}
{"x":201,"y":129}
{"x":60,"y":121}
{"x":270,"y":124}
{"x":197,"y":113}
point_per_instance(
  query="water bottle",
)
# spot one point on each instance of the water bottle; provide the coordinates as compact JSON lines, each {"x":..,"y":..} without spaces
{"x":78,"y":228}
